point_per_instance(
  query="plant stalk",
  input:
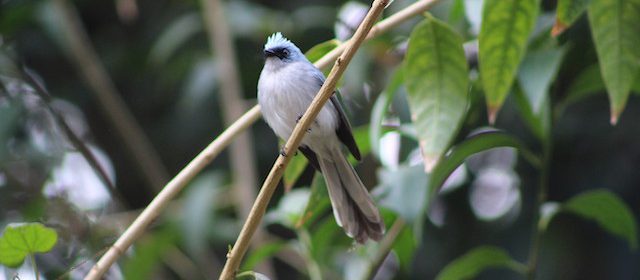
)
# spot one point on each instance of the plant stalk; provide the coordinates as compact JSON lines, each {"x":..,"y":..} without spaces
{"x":541,"y":197}
{"x":34,"y":265}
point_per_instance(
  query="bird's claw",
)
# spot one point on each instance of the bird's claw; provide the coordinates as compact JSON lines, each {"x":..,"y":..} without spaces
{"x":284,"y":154}
{"x":298,"y":120}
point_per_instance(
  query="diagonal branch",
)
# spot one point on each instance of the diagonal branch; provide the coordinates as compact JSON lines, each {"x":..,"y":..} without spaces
{"x":163,"y":198}
{"x":234,"y":257}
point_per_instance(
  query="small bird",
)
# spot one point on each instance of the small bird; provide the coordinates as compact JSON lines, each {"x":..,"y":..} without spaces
{"x":287,"y":85}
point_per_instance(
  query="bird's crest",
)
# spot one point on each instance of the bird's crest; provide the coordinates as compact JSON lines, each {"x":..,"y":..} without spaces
{"x":277,"y":40}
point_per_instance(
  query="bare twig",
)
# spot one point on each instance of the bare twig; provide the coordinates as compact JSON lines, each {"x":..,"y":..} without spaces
{"x":84,"y":56}
{"x":234,"y":257}
{"x":385,"y":247}
{"x":242,"y":155}
{"x":207,"y":155}
{"x":171,"y":190}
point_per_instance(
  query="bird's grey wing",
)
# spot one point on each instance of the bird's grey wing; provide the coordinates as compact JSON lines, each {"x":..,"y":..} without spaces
{"x":344,"y":128}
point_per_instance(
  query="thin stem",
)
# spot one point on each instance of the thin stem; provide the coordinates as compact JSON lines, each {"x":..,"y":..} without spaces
{"x":34,"y":265}
{"x":541,"y":197}
{"x":234,"y":257}
{"x":385,"y":247}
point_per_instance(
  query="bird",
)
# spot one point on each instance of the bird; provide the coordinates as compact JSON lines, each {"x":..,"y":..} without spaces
{"x":287,"y":85}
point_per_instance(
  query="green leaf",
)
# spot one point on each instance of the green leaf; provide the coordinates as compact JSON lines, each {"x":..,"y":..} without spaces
{"x":318,"y":201}
{"x":477,"y":143}
{"x":476,"y":261}
{"x":436,"y":78}
{"x":327,"y":238}
{"x":609,"y":211}
{"x":296,"y":166}
{"x":251,"y":275}
{"x":21,"y":240}
{"x":506,"y":25}
{"x":320,"y":50}
{"x":536,"y":74}
{"x":615,"y":25}
{"x":361,"y":135}
{"x":290,"y":208}
{"x":566,"y":13}
{"x":263,"y":252}
{"x":457,"y":11}
{"x":588,"y":82}
{"x":405,"y":247}
{"x":539,"y":123}
{"x":149,"y":253}
{"x":405,"y":190}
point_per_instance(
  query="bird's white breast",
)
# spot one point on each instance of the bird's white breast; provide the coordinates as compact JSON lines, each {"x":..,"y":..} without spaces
{"x":285,"y":94}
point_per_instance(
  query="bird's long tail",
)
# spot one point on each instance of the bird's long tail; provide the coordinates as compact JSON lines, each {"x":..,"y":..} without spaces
{"x":353,"y":207}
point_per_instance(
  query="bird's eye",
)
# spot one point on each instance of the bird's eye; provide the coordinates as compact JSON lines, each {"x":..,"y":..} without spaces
{"x":285,"y":52}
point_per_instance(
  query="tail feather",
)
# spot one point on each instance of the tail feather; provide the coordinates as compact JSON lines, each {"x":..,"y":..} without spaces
{"x":353,"y":207}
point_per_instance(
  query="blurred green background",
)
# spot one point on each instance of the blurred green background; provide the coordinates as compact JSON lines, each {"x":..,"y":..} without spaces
{"x":158,"y":57}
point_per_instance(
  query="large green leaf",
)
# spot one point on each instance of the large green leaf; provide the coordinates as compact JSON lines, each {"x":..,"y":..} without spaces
{"x":405,"y":191}
{"x":609,"y":211}
{"x":506,"y":25}
{"x":318,"y":202}
{"x":615,"y":25}
{"x":436,"y":78}
{"x":20,"y":240}
{"x":476,"y":261}
{"x":405,"y":247}
{"x":290,"y":208}
{"x":262,"y":253}
{"x":477,"y":143}
{"x":566,"y":13}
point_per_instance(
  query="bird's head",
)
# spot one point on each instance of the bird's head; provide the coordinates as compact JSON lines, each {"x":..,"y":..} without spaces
{"x":280,"y":51}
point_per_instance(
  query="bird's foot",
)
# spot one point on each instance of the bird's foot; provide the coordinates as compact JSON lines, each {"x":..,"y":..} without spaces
{"x":298,"y":120}
{"x":284,"y":154}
